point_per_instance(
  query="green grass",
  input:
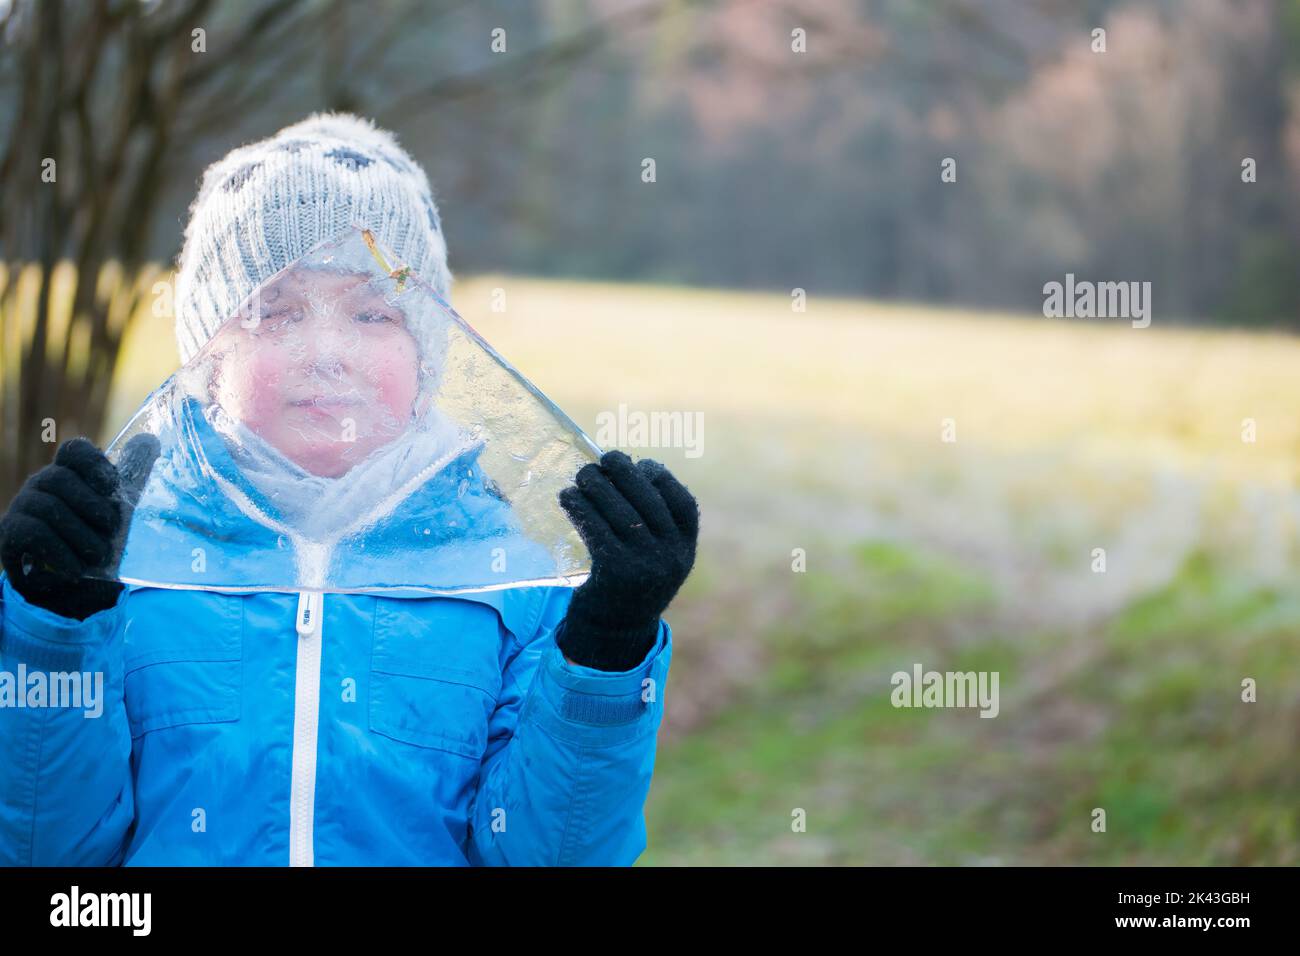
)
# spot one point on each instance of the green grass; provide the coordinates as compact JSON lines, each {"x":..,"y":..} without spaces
{"x":819,"y":732}
{"x":1186,"y":772}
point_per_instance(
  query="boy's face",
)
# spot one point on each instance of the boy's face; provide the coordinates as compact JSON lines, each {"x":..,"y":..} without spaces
{"x":322,"y":367}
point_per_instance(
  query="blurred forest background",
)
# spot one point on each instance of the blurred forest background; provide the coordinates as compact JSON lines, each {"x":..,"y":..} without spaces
{"x":819,"y":171}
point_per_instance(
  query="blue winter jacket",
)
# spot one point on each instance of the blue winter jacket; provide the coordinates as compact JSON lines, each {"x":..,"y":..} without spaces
{"x":320,"y":728}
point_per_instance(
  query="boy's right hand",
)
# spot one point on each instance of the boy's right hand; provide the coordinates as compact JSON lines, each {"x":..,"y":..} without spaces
{"x":69,"y":521}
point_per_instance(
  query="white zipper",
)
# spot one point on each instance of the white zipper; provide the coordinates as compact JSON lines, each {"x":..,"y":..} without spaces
{"x":306,"y":719}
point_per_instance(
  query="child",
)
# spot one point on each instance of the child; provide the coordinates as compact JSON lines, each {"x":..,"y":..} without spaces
{"x":269,"y":727}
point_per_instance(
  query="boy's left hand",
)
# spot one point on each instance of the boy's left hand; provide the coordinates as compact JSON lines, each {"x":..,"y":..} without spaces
{"x":640,"y":525}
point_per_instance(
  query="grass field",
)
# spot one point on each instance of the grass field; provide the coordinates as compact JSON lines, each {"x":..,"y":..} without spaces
{"x":1119,"y":690}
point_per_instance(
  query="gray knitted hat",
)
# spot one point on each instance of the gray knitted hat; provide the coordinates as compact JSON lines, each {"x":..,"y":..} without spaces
{"x":262,"y":206}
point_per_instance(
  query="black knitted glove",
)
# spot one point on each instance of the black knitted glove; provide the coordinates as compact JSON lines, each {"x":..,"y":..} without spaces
{"x":640,"y":525}
{"x":69,"y":520}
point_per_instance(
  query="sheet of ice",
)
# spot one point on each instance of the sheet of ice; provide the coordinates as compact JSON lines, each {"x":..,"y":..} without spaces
{"x":346,"y":430}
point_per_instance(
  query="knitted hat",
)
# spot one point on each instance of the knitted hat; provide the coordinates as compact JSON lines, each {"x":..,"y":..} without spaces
{"x":262,"y":206}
